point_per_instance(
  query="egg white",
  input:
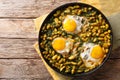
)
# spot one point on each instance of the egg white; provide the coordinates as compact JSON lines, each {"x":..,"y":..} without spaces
{"x":78,"y":21}
{"x":68,"y":47}
{"x":86,"y":56}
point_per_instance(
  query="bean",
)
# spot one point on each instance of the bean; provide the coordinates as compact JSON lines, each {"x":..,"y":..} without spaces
{"x":72,"y":57}
{"x":91,"y":27}
{"x":95,"y":39}
{"x":51,"y":61}
{"x":102,"y":35}
{"x":79,"y":70}
{"x":45,"y":52}
{"x":41,"y":44}
{"x":86,"y":70}
{"x":46,"y":49}
{"x":67,"y":69}
{"x":58,"y":58}
{"x":82,"y":66}
{"x":108,"y":40}
{"x":108,"y":36}
{"x":55,"y":57}
{"x":89,"y":34}
{"x":102,"y":27}
{"x":106,"y":26}
{"x":67,"y":11}
{"x":73,"y":70}
{"x":77,"y":6}
{"x":79,"y":63}
{"x":100,"y":17}
{"x":93,"y":13}
{"x":84,"y":39}
{"x":70,"y":7}
{"x":97,"y":34}
{"x":93,"y":30}
{"x":99,"y":31}
{"x":96,"y":28}
{"x":72,"y":63}
{"x":57,"y":13}
{"x":56,"y":20}
{"x":53,"y":52}
{"x":61,"y":60}
{"x":106,"y":50}
{"x":85,"y":9}
{"x":83,"y":35}
{"x":89,"y":8}
{"x":43,"y":28}
{"x":62,"y":14}
{"x":100,"y":38}
{"x":48,"y":26}
{"x":105,"y":32}
{"x":109,"y":31}
{"x":105,"y":39}
{"x":57,"y":65}
{"x":79,"y":12}
{"x":94,"y":33}
{"x":103,"y":22}
{"x":106,"y":45}
{"x":62,"y":68}
{"x":70,"y":36}
{"x":49,"y":38}
{"x":73,"y":12}
{"x":80,"y":48}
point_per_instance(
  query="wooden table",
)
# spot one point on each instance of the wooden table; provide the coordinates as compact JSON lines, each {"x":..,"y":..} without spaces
{"x":18,"y":58}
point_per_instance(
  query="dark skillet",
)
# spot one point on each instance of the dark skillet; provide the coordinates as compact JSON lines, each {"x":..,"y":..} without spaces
{"x":60,"y":8}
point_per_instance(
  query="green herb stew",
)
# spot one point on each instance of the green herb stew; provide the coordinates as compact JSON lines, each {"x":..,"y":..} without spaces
{"x":75,"y":39}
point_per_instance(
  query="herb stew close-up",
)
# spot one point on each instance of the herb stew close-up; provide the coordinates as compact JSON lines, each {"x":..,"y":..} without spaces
{"x":75,"y":39}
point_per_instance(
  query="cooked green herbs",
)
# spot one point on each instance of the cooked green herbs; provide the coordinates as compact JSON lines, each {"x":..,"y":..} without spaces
{"x":97,"y":32}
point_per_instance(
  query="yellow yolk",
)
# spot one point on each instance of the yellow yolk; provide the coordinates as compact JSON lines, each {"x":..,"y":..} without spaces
{"x":97,"y":52}
{"x":69,"y":25}
{"x":58,"y":43}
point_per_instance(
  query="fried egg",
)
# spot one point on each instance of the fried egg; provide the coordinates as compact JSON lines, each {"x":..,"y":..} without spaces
{"x":62,"y":45}
{"x":73,"y":23}
{"x":92,"y":55}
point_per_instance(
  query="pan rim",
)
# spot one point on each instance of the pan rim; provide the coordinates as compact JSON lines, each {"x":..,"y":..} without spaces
{"x":110,"y":48}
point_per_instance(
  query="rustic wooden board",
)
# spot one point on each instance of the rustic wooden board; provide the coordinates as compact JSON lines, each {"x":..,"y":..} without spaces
{"x":17,"y":28}
{"x":34,"y":69}
{"x":36,"y":8}
{"x":23,"y":68}
{"x":17,"y":48}
{"x":28,"y":9}
{"x":18,"y":59}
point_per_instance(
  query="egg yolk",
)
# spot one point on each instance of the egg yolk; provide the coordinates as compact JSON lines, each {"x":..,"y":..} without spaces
{"x":69,"y":25}
{"x":58,"y":43}
{"x":97,"y":52}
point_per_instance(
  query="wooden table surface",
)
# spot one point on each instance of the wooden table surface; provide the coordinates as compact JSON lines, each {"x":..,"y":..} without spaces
{"x":18,"y":58}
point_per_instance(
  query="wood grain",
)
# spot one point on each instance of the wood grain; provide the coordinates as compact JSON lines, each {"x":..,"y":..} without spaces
{"x":17,"y":48}
{"x":28,"y":9}
{"x":36,"y":8}
{"x":18,"y":59}
{"x":17,"y":28}
{"x":33,"y":69}
{"x":23,"y":69}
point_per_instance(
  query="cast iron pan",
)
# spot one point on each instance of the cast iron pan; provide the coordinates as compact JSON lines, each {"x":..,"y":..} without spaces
{"x":60,"y":8}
